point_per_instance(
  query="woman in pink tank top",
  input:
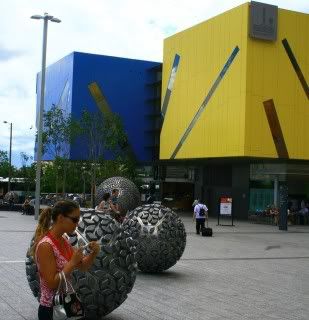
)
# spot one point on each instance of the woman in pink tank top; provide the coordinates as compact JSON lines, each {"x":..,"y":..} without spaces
{"x":53,"y":253}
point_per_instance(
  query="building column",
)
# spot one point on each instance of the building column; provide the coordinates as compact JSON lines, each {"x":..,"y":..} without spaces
{"x":198,"y":185}
{"x":276,"y":183}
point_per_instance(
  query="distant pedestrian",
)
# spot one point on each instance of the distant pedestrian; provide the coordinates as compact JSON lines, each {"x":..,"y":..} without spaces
{"x":200,"y":214}
{"x":105,"y":205}
{"x":32,"y":202}
{"x":114,"y":198}
{"x":115,"y":206}
{"x":26,"y":207}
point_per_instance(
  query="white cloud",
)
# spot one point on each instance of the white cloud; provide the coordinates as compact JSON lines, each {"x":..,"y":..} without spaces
{"x":127,"y":28}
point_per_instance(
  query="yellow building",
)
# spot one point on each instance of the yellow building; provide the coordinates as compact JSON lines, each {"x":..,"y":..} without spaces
{"x":236,"y":107}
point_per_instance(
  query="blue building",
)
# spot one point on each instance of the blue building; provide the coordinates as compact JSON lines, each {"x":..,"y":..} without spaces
{"x":131,"y":88}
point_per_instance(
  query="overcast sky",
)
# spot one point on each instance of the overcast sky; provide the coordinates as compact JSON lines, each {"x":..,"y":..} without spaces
{"x":124,"y":28}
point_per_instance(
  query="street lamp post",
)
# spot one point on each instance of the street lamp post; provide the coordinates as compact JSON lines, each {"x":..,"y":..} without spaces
{"x":10,"y":155}
{"x":46,"y":17}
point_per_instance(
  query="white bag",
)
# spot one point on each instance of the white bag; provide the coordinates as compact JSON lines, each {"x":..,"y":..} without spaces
{"x":62,"y":297}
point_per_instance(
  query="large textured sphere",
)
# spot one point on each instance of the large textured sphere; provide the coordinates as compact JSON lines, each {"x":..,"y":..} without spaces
{"x":160,"y":237}
{"x":106,"y":285}
{"x":129,"y":197}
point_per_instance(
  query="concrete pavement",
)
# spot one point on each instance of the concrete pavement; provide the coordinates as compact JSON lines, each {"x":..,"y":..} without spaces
{"x":244,"y":272}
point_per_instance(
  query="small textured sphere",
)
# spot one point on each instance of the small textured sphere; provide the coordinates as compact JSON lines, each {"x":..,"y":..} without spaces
{"x":107,"y":283}
{"x":129,"y":196}
{"x":159,"y":234}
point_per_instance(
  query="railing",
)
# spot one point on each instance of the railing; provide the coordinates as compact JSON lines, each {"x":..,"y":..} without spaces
{"x":261,"y":217}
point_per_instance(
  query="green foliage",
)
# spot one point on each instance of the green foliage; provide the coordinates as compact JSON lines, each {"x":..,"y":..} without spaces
{"x":4,"y":156}
{"x":116,"y":139}
{"x":4,"y":164}
{"x":27,"y":172}
{"x":103,"y":132}
{"x":93,"y":132}
{"x":49,"y":177}
{"x":59,"y":131}
{"x":100,"y":133}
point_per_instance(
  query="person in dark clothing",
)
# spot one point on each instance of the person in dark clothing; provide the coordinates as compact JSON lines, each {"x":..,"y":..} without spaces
{"x":26,"y":206}
{"x":114,"y":198}
{"x":115,"y":206}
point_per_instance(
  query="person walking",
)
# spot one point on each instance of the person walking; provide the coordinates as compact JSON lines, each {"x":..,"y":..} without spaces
{"x":53,"y":253}
{"x":200,"y":214}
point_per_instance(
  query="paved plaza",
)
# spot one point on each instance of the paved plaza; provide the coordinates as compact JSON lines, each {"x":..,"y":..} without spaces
{"x":247,"y":271}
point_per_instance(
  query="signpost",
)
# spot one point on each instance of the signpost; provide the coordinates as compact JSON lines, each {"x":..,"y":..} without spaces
{"x":225,"y":209}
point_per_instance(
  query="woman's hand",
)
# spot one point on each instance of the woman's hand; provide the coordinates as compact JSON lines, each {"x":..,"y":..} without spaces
{"x":94,"y":247}
{"x":77,"y":256}
{"x":89,"y":259}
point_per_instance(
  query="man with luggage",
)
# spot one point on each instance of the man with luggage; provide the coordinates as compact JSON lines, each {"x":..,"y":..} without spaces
{"x":200,"y":214}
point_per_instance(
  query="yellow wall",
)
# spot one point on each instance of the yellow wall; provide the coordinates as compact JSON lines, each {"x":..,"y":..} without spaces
{"x":203,"y":52}
{"x":270,"y":75}
{"x":234,"y":122}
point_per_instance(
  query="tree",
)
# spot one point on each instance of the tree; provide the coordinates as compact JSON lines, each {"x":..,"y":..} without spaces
{"x":102,"y":134}
{"x":27,"y":172}
{"x":4,"y":164}
{"x":60,"y":130}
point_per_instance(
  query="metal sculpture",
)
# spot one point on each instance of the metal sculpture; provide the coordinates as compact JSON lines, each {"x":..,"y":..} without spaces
{"x":129,"y":196}
{"x":11,"y":196}
{"x":106,"y":285}
{"x":160,"y":236}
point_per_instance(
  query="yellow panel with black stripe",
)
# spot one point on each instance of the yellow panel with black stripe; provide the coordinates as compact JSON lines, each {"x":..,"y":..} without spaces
{"x":204,"y":50}
{"x":271,"y":75}
{"x":234,"y":122}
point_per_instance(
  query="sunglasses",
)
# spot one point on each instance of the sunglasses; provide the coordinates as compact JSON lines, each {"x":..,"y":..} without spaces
{"x":73,"y":219}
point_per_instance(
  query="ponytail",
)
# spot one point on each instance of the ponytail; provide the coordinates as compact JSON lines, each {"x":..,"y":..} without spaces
{"x":48,"y":216}
{"x":44,"y":225}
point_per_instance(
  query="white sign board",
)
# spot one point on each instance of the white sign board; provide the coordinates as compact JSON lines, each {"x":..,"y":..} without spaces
{"x":226,"y":206}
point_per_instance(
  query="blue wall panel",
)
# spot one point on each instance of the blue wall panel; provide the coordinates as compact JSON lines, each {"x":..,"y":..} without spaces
{"x":58,"y":90}
{"x":123,"y":83}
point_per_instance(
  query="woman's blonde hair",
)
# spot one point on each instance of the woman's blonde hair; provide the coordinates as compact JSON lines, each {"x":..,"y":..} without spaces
{"x":48,"y":216}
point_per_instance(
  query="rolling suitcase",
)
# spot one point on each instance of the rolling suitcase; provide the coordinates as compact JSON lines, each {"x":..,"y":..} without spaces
{"x":207,"y":232}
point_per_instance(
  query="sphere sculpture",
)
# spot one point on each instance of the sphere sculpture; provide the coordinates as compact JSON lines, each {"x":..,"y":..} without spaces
{"x":129,"y":197}
{"x":11,"y":195}
{"x":159,"y":234}
{"x":106,"y":285}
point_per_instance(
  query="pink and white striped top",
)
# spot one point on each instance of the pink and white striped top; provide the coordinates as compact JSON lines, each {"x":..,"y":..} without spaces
{"x":47,"y":293}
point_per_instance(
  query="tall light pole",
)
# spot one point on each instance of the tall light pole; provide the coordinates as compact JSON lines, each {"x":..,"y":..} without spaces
{"x":45,"y":18}
{"x":10,"y":155}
